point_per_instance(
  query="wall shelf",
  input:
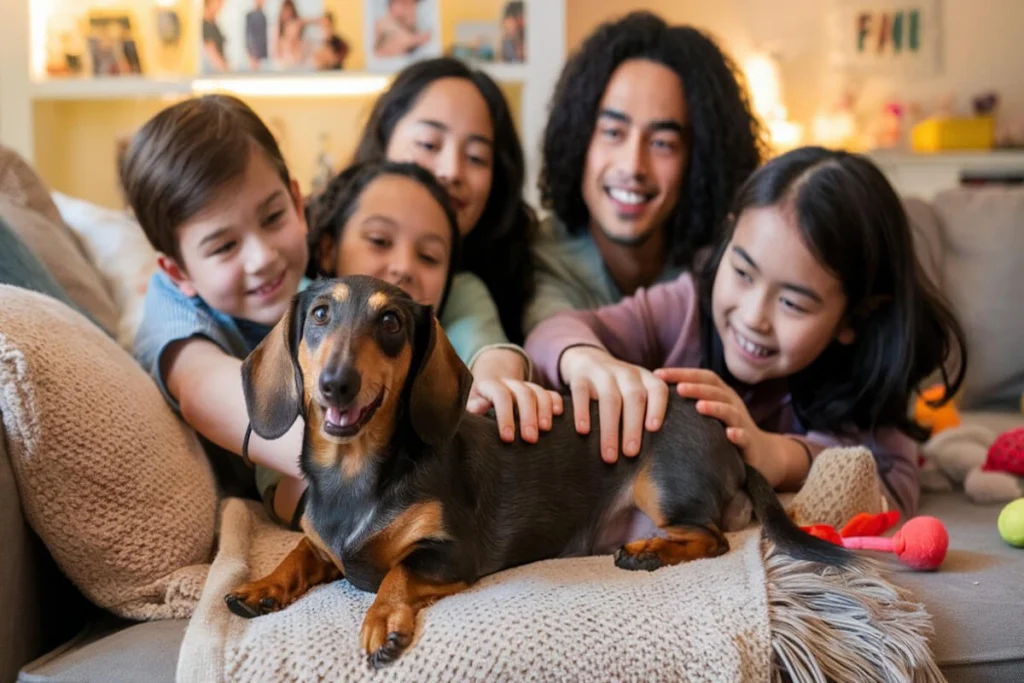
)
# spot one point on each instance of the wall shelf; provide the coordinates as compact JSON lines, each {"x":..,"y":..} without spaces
{"x":304,"y":84}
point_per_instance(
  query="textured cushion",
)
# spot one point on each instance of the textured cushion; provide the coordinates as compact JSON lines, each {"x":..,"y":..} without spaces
{"x":975,"y":596}
{"x":20,"y":183}
{"x":116,"y":486}
{"x":120,"y":251}
{"x":58,"y":249}
{"x":984,"y":236}
{"x":928,"y":239}
{"x":20,"y":267}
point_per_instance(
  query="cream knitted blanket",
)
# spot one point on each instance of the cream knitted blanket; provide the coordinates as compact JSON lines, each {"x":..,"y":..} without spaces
{"x":749,"y":615}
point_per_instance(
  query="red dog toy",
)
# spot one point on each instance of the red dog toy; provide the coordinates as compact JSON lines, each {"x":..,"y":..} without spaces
{"x":921,"y":544}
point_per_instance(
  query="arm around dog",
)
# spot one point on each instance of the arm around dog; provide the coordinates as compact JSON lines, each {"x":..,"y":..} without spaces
{"x":207,"y":383}
{"x":653,"y":328}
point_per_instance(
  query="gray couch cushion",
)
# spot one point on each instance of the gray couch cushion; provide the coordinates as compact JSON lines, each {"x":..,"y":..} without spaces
{"x":975,"y":597}
{"x":39,"y":608}
{"x":984,"y":236}
{"x":142,"y":652}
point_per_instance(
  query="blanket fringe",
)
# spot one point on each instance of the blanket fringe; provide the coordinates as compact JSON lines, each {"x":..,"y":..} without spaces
{"x":829,"y":624}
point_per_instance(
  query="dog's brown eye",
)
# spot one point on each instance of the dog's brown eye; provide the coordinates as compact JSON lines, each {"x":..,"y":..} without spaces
{"x":390,"y":323}
{"x":320,"y":315}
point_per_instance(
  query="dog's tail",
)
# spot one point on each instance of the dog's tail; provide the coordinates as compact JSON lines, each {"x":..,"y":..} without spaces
{"x":784,"y":532}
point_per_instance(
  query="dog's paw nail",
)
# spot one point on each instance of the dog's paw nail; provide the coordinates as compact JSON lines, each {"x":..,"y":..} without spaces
{"x":239,"y":607}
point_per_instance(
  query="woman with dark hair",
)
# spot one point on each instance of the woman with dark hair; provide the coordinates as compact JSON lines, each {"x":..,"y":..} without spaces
{"x":812,"y":324}
{"x":650,"y":134}
{"x":455,"y":122}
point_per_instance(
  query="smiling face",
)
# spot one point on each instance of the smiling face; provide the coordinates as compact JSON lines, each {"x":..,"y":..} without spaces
{"x":775,"y":306}
{"x":397,"y":233}
{"x":632,"y":179}
{"x":354,"y":357}
{"x":449,"y":132}
{"x":245,"y":254}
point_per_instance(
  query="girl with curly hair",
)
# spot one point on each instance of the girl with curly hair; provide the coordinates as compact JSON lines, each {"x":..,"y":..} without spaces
{"x":649,"y":137}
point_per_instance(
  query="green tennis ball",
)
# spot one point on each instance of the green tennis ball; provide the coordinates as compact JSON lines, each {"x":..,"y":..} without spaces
{"x":1011,"y":523}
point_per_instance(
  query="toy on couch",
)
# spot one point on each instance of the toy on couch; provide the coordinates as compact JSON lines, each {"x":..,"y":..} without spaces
{"x":921,"y":544}
{"x":1011,"y":523}
{"x":989,"y":466}
{"x":936,"y":417}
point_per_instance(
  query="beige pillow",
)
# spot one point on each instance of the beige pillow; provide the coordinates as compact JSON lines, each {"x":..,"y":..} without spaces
{"x":22,"y":185}
{"x":984,"y":238}
{"x":121,"y":253}
{"x":117,"y":487}
{"x":59,"y":250}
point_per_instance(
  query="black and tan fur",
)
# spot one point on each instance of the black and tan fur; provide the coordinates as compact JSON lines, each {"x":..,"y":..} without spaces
{"x":423,"y":498}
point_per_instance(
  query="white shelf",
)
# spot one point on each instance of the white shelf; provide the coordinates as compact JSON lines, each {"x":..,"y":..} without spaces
{"x":109,"y":88}
{"x":298,"y":84}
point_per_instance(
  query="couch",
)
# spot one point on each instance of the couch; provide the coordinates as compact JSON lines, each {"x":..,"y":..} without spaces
{"x":970,"y":241}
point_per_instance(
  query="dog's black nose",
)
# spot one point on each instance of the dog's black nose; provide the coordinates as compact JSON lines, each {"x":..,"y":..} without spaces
{"x":340,"y":385}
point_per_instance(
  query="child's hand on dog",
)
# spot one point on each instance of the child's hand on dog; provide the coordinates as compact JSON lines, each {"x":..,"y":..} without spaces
{"x":499,"y":382}
{"x":621,"y":389}
{"x":717,"y":399}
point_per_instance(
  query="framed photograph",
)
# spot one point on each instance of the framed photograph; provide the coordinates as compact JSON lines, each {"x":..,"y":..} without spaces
{"x":513,"y":32}
{"x":398,"y":32}
{"x":269,"y":35}
{"x":476,"y":41}
{"x":885,"y":37}
{"x":112,"y":44}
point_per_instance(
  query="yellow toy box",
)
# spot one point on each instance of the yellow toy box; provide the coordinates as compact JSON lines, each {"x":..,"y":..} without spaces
{"x":939,"y":135}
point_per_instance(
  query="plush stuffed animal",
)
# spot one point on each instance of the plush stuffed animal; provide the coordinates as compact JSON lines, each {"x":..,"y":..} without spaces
{"x":989,"y":466}
{"x":936,"y":418}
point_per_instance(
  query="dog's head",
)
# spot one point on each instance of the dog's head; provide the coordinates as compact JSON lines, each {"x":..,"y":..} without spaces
{"x":346,"y":356}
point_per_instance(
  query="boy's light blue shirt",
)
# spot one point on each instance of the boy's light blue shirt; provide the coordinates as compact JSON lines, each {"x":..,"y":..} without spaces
{"x":170,"y":316}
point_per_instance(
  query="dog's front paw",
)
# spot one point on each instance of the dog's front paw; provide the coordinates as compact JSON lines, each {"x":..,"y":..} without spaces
{"x":256,"y":599}
{"x":387,"y":632}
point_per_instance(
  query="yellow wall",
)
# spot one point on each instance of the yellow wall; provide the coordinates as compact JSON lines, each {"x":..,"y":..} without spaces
{"x":76,"y":140}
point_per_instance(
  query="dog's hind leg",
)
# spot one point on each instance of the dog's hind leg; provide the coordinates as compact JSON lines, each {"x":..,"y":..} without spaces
{"x":685,"y":539}
{"x":681,"y":544}
{"x":304,"y":567}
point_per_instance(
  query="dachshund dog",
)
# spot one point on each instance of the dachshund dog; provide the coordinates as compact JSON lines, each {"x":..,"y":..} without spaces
{"x":415,"y":499}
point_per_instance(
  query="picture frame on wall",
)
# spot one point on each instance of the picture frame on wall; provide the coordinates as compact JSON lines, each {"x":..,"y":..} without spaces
{"x":251,"y":36}
{"x":886,"y":37}
{"x":112,"y":44}
{"x":399,"y":32}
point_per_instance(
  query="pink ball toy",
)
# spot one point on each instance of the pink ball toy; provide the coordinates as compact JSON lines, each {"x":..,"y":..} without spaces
{"x":921,"y":544}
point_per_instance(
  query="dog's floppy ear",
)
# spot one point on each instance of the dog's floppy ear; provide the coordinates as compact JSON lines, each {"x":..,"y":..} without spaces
{"x":271,"y":378}
{"x":441,"y":385}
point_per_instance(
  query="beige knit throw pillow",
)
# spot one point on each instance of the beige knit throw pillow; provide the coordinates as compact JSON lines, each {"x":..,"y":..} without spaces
{"x":113,"y":482}
{"x":843,"y":482}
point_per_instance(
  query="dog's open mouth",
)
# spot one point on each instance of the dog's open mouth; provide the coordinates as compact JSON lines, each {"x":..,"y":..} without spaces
{"x":347,"y":423}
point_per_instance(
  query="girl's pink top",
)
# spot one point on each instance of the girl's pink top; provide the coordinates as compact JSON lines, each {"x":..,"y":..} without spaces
{"x":659,"y":327}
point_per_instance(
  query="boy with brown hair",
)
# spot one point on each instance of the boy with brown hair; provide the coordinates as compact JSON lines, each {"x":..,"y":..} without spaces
{"x":210,"y":188}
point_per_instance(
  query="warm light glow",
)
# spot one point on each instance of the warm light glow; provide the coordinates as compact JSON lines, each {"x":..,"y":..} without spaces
{"x":765,"y":86}
{"x":39,"y":13}
{"x":294,"y":86}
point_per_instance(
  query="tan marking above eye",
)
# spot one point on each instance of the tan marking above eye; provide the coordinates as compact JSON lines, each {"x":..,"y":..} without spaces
{"x":340,"y":293}
{"x":377,"y":300}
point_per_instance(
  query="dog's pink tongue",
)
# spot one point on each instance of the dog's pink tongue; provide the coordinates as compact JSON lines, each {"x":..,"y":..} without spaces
{"x":342,"y":418}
